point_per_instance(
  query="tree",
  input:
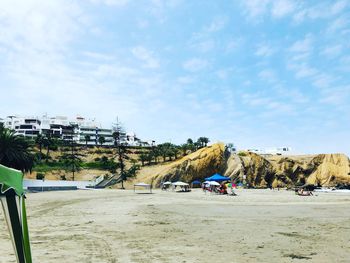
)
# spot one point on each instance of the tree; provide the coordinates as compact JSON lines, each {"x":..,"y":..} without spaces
{"x":101,"y":140}
{"x":87,"y":139}
{"x":72,"y":159}
{"x":184,"y":147}
{"x":39,"y":140}
{"x":205,"y":141}
{"x":120,"y":145}
{"x":132,"y":171}
{"x":143,"y":157}
{"x":189,"y":141}
{"x":14,"y":151}
{"x":165,"y":150}
{"x":202,"y":142}
{"x":155,"y":153}
{"x":175,"y":151}
{"x":47,"y":142}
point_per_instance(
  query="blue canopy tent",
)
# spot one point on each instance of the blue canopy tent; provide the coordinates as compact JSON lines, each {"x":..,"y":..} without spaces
{"x":197,"y":183}
{"x":218,"y":178}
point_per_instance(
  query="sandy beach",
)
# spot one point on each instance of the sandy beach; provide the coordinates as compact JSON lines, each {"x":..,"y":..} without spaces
{"x":121,"y":226}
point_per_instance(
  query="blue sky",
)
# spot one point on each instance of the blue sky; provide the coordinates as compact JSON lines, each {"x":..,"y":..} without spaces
{"x":258,"y":73}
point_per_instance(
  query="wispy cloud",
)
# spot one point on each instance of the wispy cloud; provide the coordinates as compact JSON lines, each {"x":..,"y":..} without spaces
{"x":264,"y":50}
{"x":321,"y":10}
{"x":146,"y":56}
{"x":331,"y":51}
{"x":118,"y":3}
{"x":195,"y":64}
{"x":274,"y":8}
{"x":302,"y":70}
{"x":268,"y":75}
{"x":323,"y":80}
{"x":282,"y":8}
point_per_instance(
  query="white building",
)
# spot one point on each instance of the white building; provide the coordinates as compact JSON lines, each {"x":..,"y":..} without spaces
{"x":81,"y":130}
{"x":271,"y":151}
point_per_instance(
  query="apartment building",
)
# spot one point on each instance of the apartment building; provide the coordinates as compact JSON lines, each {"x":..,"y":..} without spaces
{"x":272,"y":151}
{"x":80,"y":130}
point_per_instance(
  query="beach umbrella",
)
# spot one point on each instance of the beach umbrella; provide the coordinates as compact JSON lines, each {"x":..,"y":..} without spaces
{"x":13,"y":204}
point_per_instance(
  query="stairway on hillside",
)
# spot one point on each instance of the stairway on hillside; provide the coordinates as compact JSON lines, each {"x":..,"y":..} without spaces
{"x":110,"y":181}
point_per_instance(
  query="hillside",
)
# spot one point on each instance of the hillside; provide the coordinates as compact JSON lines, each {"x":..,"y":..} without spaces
{"x":198,"y":165}
{"x":261,"y":172}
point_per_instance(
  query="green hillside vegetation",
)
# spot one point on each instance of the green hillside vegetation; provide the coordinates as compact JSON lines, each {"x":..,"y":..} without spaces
{"x":45,"y":154}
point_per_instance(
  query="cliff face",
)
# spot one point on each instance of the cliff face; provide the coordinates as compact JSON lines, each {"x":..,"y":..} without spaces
{"x":254,"y":169}
{"x":198,"y":165}
{"x":281,"y":171}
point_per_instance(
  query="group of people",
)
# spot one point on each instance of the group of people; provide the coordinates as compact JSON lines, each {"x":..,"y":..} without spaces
{"x":218,"y":189}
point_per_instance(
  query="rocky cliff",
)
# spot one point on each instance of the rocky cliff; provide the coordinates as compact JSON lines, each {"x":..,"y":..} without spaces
{"x":282,"y":171}
{"x":198,"y":165}
{"x":256,"y":170}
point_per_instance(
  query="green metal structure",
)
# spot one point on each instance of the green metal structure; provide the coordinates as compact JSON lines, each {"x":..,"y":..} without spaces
{"x":13,"y":203}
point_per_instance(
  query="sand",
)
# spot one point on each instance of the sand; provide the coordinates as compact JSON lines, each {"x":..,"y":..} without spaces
{"x":120,"y":226}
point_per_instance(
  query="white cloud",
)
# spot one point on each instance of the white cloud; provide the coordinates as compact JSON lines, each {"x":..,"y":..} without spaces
{"x":204,"y":40}
{"x":322,"y":10}
{"x":338,"y":7}
{"x":203,"y":46}
{"x":195,"y":64}
{"x":217,"y":24}
{"x":337,"y":24}
{"x":332,"y":51}
{"x":282,"y":8}
{"x":255,"y":8}
{"x":336,"y":96}
{"x":302,"y":46}
{"x":117,"y":3}
{"x":233,"y":44}
{"x":302,"y":70}
{"x":323,"y":80}
{"x":269,"y":75}
{"x":146,"y":56}
{"x":186,"y":79}
{"x":276,"y":8}
{"x":264,"y":50}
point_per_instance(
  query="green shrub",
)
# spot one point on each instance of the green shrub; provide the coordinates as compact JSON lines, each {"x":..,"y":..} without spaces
{"x":40,"y":176}
{"x":242,"y":154}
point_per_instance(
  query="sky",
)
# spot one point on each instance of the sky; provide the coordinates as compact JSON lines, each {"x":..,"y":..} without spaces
{"x":257,"y":73}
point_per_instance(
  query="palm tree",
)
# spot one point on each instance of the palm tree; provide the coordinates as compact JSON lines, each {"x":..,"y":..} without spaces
{"x":87,"y":139}
{"x":165,"y":150}
{"x":175,"y":151}
{"x":101,"y":140}
{"x":184,"y":147}
{"x":14,"y":151}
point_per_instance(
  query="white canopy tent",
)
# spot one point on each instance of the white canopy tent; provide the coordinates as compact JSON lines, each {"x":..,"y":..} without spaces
{"x":180,"y":184}
{"x":144,"y":185}
{"x":185,"y":187}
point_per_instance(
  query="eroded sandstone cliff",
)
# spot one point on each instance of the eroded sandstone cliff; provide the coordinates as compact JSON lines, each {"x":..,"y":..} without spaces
{"x":253,"y":169}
